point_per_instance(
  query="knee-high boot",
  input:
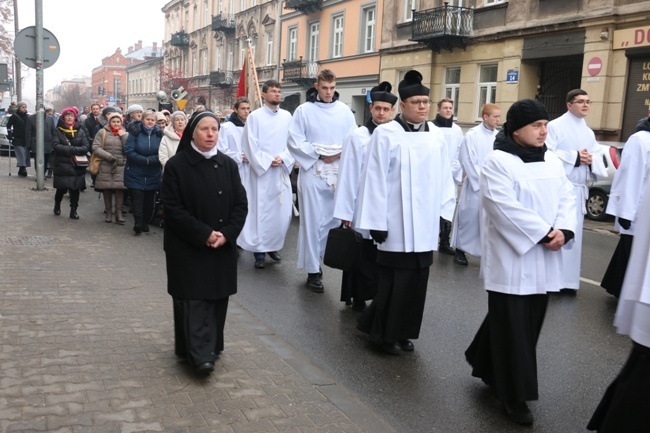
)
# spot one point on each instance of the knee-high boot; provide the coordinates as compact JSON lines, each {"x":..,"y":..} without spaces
{"x":119,"y":201}
{"x":108,"y":205}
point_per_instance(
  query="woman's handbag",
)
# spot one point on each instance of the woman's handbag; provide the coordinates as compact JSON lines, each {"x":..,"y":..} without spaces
{"x":343,"y":248}
{"x":79,"y":160}
{"x":95,"y":160}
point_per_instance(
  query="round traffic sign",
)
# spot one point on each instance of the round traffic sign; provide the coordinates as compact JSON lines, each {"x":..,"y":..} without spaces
{"x":594,"y":66}
{"x":25,"y":47}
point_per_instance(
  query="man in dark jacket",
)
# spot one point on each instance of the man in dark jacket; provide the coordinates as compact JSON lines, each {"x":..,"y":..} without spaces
{"x":49,"y":129}
{"x":92,"y":122}
{"x":16,"y":133}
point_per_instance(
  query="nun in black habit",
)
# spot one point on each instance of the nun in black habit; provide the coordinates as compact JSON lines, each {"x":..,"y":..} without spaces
{"x":205,"y":208}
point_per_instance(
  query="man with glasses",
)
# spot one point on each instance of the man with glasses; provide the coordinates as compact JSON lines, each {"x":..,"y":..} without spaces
{"x":575,"y":144}
{"x":406,"y":188}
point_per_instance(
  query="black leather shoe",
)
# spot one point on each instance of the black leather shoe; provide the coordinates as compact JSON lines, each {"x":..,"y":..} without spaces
{"x":358,"y":305}
{"x":137,"y":229}
{"x":73,"y":214}
{"x":145,"y":228}
{"x":518,"y":412}
{"x":392,"y":349}
{"x":205,"y":368}
{"x":446,"y":249}
{"x":571,"y":292}
{"x":259,"y":263}
{"x":460,"y":258}
{"x":315,"y":283}
{"x":275,"y":256}
{"x":57,"y":209}
{"x":406,"y":345}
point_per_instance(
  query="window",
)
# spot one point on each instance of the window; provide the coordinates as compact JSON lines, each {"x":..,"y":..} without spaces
{"x":194,"y":66}
{"x":242,"y":5}
{"x":204,"y":61}
{"x":487,"y":86}
{"x":409,"y":6}
{"x":293,"y":42}
{"x":337,"y":36}
{"x":217,"y":60}
{"x":187,"y":20}
{"x":220,"y":7}
{"x":117,"y":83}
{"x":269,"y":48}
{"x":452,"y":86}
{"x":230,"y":61}
{"x":206,"y":13}
{"x":492,"y":2}
{"x":195,"y":18}
{"x":369,"y":26}
{"x":314,"y":37}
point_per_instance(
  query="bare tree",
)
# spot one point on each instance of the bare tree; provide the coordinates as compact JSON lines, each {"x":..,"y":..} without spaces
{"x":72,"y":96}
{"x":6,"y":17}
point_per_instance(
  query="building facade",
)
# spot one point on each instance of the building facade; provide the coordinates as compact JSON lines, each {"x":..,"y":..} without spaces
{"x":500,"y":51}
{"x":144,"y":82}
{"x":336,"y":35}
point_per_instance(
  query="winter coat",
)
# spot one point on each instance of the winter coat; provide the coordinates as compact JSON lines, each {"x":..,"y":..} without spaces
{"x":92,"y":126}
{"x":200,"y":195}
{"x":66,"y":174}
{"x":16,"y":128}
{"x":112,"y":150}
{"x":48,"y":133}
{"x":168,"y":145}
{"x":143,"y":168}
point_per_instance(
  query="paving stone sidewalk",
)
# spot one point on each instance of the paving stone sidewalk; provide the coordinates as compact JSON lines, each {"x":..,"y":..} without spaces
{"x":87,"y":339}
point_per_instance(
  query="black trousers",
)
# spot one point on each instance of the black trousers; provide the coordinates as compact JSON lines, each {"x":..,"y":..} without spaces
{"x":74,"y":196}
{"x":361,"y":282}
{"x":142,"y":205}
{"x":504,"y":351}
{"x":615,"y":273}
{"x":198,"y":329}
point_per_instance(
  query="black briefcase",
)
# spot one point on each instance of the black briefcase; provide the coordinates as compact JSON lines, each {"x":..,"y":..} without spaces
{"x":343,"y":248}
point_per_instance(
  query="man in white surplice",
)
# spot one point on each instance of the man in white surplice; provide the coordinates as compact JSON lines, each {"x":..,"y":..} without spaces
{"x":477,"y":144}
{"x":316,"y":135}
{"x":264,"y":141}
{"x":575,"y":144}
{"x":229,"y":141}
{"x":406,"y":188}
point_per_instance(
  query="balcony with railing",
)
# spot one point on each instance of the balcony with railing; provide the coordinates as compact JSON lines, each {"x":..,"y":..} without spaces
{"x":304,"y":6}
{"x":301,"y":72}
{"x":180,"y":39}
{"x":221,"y":78}
{"x":445,"y":27}
{"x":224,"y":23}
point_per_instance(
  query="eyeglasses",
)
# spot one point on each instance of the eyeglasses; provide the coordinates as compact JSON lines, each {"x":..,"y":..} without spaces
{"x":582,"y":102}
{"x":418,"y":102}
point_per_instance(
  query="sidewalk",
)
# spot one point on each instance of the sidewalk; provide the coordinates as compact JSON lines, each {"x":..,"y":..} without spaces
{"x":87,"y":339}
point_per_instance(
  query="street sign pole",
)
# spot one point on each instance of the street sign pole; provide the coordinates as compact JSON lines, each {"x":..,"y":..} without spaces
{"x":40,"y":113}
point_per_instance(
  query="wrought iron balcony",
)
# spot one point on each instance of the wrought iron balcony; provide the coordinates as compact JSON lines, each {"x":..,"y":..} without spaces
{"x":444,"y":27}
{"x":224,"y":23}
{"x":221,"y":78}
{"x":304,"y":6}
{"x":180,"y":39}
{"x":300,"y":72}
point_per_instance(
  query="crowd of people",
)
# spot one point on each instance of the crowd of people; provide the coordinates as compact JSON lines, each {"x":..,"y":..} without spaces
{"x":395,"y":180}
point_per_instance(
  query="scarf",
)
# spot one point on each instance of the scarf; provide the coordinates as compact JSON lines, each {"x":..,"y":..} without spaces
{"x":115,"y":131}
{"x":441,"y":122}
{"x":236,"y":120}
{"x":505,"y":143}
{"x":68,"y":130}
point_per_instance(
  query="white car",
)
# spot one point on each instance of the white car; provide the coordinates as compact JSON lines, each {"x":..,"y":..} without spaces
{"x":5,"y":145}
{"x":599,"y":190}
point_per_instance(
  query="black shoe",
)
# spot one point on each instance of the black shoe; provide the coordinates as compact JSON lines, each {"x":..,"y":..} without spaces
{"x":275,"y":256}
{"x":48,"y":174}
{"x":406,"y":345}
{"x":315,"y":283}
{"x":73,"y":213}
{"x":205,"y":368}
{"x":145,"y":228}
{"x":518,"y":412}
{"x":137,"y":229}
{"x":259,"y":264}
{"x":57,"y":209}
{"x":358,"y":305}
{"x":571,"y":292}
{"x":446,"y":249}
{"x":460,"y":258}
{"x":392,"y":349}
{"x":22,"y":172}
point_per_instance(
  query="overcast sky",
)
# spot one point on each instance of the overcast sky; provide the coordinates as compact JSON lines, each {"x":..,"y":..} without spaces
{"x":88,"y":31}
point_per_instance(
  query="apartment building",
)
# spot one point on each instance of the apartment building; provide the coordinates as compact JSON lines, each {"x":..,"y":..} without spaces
{"x":206,"y":42}
{"x":478,"y":51}
{"x":333,"y":34}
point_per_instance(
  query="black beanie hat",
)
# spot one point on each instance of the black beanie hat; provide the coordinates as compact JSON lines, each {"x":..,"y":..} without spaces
{"x":411,"y":85}
{"x":382,"y":93}
{"x":188,"y":132}
{"x":524,"y":112}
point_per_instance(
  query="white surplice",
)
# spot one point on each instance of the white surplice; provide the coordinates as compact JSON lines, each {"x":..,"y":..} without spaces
{"x":454,"y":138}
{"x":406,"y":187}
{"x":350,"y":169}
{"x":521,"y":202}
{"x":269,"y":189}
{"x":633,"y":313}
{"x":567,"y":135}
{"x":627,"y":187}
{"x":314,"y":124}
{"x":476,"y":145}
{"x":229,"y":142}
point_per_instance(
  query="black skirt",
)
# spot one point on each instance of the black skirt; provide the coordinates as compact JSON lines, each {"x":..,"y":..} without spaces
{"x":504,"y":351}
{"x":625,"y":407}
{"x":361,"y":282}
{"x":615,"y":273}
